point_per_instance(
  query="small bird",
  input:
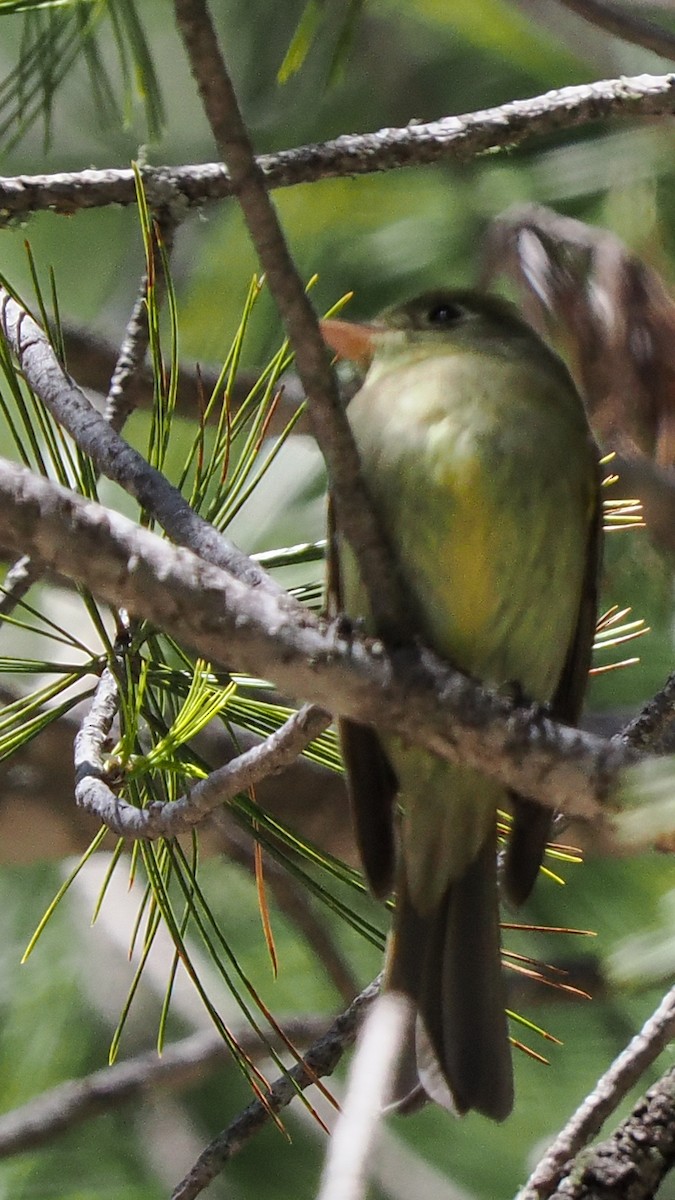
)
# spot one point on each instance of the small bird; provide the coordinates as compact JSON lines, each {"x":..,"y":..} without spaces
{"x":484,"y":477}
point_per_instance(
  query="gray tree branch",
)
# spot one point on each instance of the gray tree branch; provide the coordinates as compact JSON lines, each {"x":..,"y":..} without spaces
{"x":320,"y":1060}
{"x":224,"y":619}
{"x":181,"y":1065}
{"x":608,"y":1093}
{"x":458,"y":138}
{"x":633,"y":1162}
{"x":355,"y":516}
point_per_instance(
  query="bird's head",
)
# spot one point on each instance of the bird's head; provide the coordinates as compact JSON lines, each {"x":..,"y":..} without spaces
{"x":457,"y":318}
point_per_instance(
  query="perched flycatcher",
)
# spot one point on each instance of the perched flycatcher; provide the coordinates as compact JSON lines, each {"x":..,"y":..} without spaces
{"x":483,"y":475}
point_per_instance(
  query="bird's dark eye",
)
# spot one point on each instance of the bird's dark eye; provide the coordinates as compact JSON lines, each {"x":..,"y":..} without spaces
{"x":445,"y":313}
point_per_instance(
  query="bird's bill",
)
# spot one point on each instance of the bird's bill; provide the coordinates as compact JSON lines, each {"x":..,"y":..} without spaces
{"x":348,"y":340}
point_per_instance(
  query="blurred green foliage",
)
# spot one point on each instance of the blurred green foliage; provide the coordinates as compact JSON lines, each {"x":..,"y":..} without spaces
{"x":382,"y":236}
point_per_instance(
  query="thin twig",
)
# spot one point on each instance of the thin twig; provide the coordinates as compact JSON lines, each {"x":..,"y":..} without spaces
{"x":17,"y":582}
{"x":623,"y":23}
{"x":114,"y":457}
{"x":181,"y":1065}
{"x":320,"y":1060}
{"x":120,"y":399}
{"x":634,"y":1160}
{"x":119,"y":405}
{"x":91,"y":361}
{"x":410,"y":692}
{"x":39,"y":822}
{"x":353,"y":508}
{"x":120,"y":402}
{"x":458,"y":138}
{"x":608,"y":1093}
{"x":652,"y":728}
{"x":166,"y":819}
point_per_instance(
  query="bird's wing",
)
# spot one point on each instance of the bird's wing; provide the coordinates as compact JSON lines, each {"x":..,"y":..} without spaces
{"x":532,"y":823}
{"x":371,"y":781}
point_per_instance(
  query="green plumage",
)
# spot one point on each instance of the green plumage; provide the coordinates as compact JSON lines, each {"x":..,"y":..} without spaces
{"x":477,"y":456}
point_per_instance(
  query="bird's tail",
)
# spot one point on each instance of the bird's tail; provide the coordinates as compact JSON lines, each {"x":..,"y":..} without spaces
{"x":526,"y":847}
{"x":449,"y":964}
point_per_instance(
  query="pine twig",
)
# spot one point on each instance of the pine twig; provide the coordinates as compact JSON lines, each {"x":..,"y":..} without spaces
{"x":113,"y":456}
{"x":320,"y":1060}
{"x":450,"y":138}
{"x":94,"y":793}
{"x":603,"y":1100}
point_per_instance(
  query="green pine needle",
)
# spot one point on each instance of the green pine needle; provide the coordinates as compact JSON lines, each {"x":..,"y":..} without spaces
{"x":55,"y":36}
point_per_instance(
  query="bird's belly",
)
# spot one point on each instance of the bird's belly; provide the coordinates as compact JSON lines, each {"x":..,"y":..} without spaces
{"x":492,"y":558}
{"x":495,"y":597}
{"x":488,"y":521}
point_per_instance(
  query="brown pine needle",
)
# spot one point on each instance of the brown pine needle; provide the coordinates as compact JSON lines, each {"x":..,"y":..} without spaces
{"x":548,"y":929}
{"x":263,"y":907}
{"x":625,"y":662}
{"x":517,"y":1045}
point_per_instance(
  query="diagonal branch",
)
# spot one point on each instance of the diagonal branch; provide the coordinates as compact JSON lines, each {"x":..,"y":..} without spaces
{"x":120,"y":398}
{"x":453,"y":138}
{"x":180,"y":1065}
{"x":17,"y":583}
{"x":320,"y":1060}
{"x":652,"y":727}
{"x":409,"y":692}
{"x":606,"y":1096}
{"x":354,"y":513}
{"x":622,"y":23}
{"x":113,"y":456}
{"x":633,"y":1162}
{"x":120,"y":402}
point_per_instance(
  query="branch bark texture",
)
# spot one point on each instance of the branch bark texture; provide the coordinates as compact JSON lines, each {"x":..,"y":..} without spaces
{"x":355,"y":516}
{"x":94,"y":793}
{"x":606,"y":1096}
{"x":632,"y":1163}
{"x":320,"y":1060}
{"x":111,"y":454}
{"x":222,"y":618}
{"x":451,"y":138}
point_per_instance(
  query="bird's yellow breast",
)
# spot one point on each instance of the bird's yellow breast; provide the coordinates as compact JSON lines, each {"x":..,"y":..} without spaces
{"x":480,"y":471}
